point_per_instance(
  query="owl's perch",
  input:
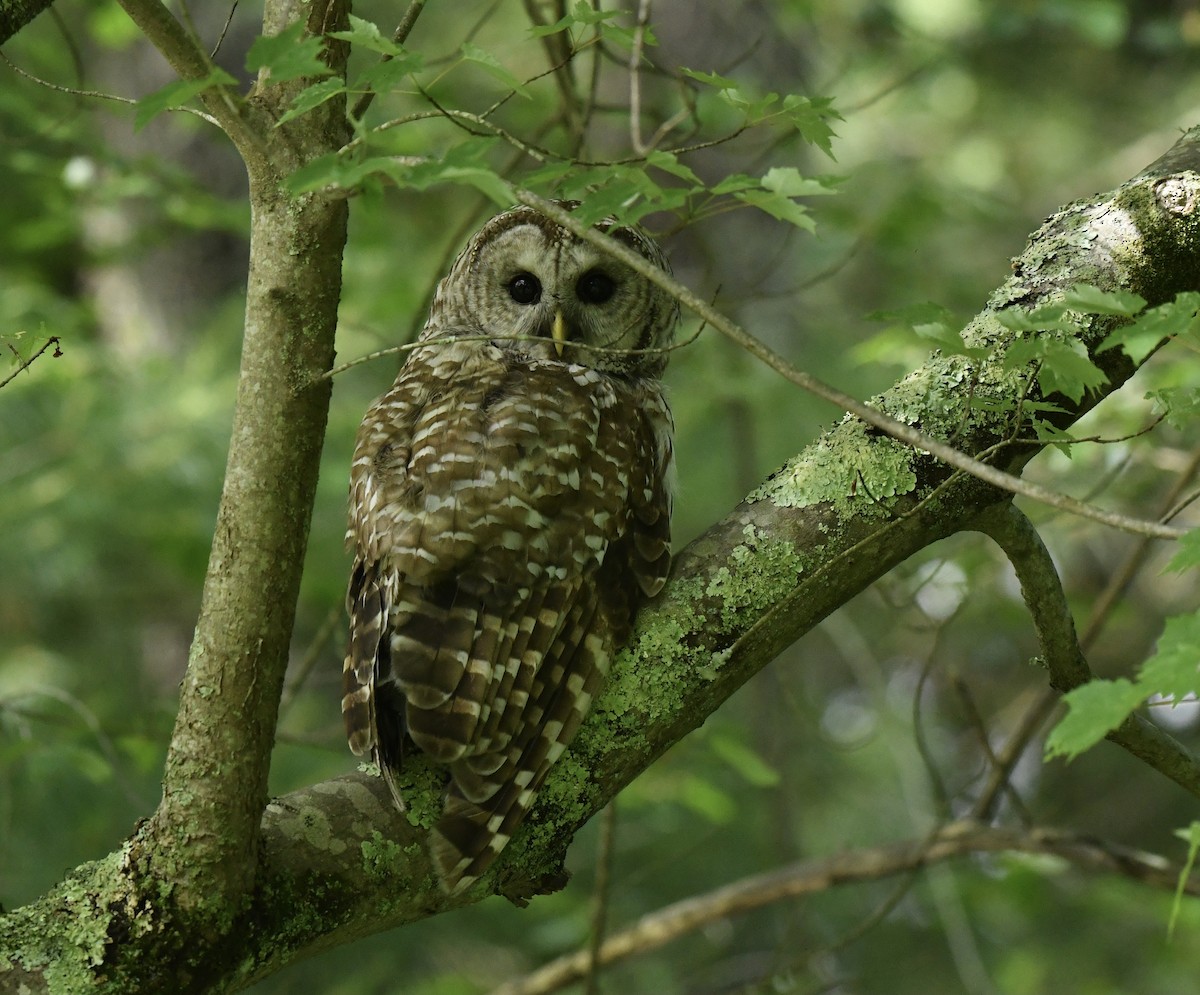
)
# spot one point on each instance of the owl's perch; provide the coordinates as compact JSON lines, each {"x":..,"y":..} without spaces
{"x":334,"y":862}
{"x":750,"y":586}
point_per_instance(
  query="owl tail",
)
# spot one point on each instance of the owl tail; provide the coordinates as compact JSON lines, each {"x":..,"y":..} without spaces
{"x":472,"y":831}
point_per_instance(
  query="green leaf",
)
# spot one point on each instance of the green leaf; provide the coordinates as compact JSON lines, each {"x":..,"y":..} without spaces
{"x":1142,"y":336}
{"x":778,"y":206}
{"x":1052,"y":318}
{"x":1065,"y":366}
{"x":366,"y":34}
{"x":288,"y":55}
{"x":734,"y":183}
{"x":176,"y":95}
{"x":711,"y":79}
{"x":387,"y":74}
{"x":1067,"y":369}
{"x":788,"y":182}
{"x":465,"y":163}
{"x":548,"y":175}
{"x":312,"y":96}
{"x":581,"y":14}
{"x":1093,"y":711}
{"x":668,"y":162}
{"x":1054,"y":436}
{"x":1187,"y":553}
{"x":1173,"y":670}
{"x":811,"y":118}
{"x":489,"y":63}
{"x":1182,"y":404}
{"x":1092,"y":300}
{"x":334,"y":170}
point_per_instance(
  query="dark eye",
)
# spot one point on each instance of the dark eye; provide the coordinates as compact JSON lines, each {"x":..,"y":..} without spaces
{"x":595,"y":287}
{"x":525,"y":288}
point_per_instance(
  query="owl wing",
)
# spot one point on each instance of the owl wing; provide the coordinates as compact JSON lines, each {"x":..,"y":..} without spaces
{"x":504,"y":525}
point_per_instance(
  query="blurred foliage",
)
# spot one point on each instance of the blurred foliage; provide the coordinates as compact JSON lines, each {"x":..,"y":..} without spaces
{"x":964,"y":123}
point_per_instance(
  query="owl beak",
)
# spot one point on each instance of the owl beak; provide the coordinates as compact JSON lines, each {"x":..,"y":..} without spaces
{"x":559,"y":332}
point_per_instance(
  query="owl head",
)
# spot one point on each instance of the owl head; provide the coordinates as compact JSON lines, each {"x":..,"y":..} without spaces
{"x":535,"y":289}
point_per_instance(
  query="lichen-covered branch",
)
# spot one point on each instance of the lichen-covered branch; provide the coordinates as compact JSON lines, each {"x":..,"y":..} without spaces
{"x":335,"y":862}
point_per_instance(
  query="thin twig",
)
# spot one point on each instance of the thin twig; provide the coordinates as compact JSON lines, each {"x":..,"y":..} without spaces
{"x":433,"y":343}
{"x":604,"y":858}
{"x":635,"y":78}
{"x":26,"y":363}
{"x":224,"y":30}
{"x":658,"y":928}
{"x":898,"y":430}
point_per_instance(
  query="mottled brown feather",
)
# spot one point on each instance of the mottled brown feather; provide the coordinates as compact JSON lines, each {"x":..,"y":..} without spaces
{"x":509,"y":508}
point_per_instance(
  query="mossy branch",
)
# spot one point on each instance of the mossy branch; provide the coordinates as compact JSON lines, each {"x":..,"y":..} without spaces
{"x":334,"y":862}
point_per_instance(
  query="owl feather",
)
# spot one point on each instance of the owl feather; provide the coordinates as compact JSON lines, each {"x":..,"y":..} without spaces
{"x":510,"y":502}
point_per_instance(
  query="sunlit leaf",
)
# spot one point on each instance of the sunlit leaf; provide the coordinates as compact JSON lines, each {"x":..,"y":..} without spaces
{"x":1093,"y":711}
{"x":1092,"y":300}
{"x":1064,"y":364}
{"x":177,"y":94}
{"x":788,"y":182}
{"x":1173,"y":670}
{"x":1187,"y":552}
{"x":490,"y":64}
{"x":1140,"y":337}
{"x":291,"y":54}
{"x":779,"y":206}
{"x":311,"y":97}
{"x":366,"y":34}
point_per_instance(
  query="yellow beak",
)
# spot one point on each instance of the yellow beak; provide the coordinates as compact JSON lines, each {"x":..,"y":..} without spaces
{"x":559,"y":332}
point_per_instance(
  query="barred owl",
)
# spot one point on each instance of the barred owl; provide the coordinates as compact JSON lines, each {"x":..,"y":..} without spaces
{"x":510,"y":505}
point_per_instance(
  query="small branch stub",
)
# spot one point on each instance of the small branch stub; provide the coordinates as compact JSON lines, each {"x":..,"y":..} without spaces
{"x":1177,"y":194}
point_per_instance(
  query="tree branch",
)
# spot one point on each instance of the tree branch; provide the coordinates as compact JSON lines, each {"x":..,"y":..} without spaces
{"x":1047,"y":603}
{"x":191,"y":62}
{"x":335,"y":862}
{"x":807,"y":877}
{"x":1176,"y":195}
{"x":24,"y":364}
{"x":15,"y":14}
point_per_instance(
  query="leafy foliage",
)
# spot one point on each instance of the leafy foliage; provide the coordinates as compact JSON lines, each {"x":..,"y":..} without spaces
{"x":873,"y":726}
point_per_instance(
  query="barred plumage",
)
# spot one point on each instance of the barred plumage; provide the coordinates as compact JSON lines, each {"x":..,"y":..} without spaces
{"x":509,"y":509}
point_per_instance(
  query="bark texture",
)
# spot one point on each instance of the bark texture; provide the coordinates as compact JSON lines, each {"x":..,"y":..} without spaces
{"x":221,"y":888}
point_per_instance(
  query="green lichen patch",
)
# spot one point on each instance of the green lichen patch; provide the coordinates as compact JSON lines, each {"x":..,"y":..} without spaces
{"x":66,"y":934}
{"x":381,"y":856}
{"x":847,"y":468}
{"x":757,"y":575}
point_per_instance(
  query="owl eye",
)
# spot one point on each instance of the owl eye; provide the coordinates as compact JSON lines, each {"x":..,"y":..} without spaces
{"x":525,"y":288}
{"x":595,"y":287}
